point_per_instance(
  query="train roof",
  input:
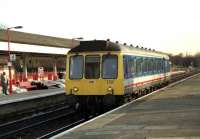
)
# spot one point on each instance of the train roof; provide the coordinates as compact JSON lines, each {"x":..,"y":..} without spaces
{"x":96,"y":45}
{"x":103,"y":45}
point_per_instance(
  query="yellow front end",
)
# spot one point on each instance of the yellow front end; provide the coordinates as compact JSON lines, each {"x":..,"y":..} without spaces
{"x":90,"y":86}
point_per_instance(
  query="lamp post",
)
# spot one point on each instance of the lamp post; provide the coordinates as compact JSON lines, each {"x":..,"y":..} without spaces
{"x":9,"y":60}
{"x":78,"y":38}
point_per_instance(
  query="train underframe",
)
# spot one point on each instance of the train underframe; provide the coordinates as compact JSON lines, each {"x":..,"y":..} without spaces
{"x":94,"y":103}
{"x":98,"y":103}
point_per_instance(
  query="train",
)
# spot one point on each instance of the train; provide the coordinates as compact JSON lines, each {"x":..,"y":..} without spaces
{"x":102,"y":73}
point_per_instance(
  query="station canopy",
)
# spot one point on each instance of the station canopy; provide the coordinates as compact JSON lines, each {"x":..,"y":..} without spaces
{"x":35,"y":39}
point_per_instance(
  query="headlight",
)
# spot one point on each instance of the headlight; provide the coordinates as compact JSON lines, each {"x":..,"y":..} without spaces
{"x":75,"y":89}
{"x":109,"y":89}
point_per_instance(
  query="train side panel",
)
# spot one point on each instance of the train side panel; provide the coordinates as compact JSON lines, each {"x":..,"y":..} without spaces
{"x":144,"y":72}
{"x":145,"y":82}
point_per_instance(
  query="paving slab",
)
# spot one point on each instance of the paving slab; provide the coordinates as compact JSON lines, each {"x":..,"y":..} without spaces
{"x":172,"y":113}
{"x":30,"y":95}
{"x":11,"y":105}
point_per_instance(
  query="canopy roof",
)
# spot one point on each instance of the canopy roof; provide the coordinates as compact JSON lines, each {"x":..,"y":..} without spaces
{"x":35,"y":39}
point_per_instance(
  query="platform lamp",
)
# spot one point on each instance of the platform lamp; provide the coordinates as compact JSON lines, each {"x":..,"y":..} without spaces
{"x":9,"y":59}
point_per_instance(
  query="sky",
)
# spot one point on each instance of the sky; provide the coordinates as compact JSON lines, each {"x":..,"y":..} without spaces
{"x":171,"y":26}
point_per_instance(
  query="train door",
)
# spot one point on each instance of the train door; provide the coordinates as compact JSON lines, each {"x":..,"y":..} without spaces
{"x":92,"y":73}
{"x":165,"y":69}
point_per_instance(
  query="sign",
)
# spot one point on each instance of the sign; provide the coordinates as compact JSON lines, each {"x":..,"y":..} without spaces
{"x":12,"y":57}
{"x":9,"y":64}
{"x":40,"y":72}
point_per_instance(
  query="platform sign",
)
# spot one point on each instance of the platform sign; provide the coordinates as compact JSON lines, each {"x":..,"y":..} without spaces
{"x":40,"y":72}
{"x":12,"y":57}
{"x":9,"y":64}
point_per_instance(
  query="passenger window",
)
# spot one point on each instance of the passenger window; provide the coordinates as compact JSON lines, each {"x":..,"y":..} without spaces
{"x":125,"y":62}
{"x":139,"y":66}
{"x":144,"y":66}
{"x":154,"y":66}
{"x":149,"y":66}
{"x":129,"y":66}
{"x":133,"y":68}
{"x":109,"y":66}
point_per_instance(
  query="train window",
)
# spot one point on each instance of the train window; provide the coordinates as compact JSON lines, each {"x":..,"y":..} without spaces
{"x":125,"y":62}
{"x":157,"y":66}
{"x":168,"y":66}
{"x":92,"y":67}
{"x":163,"y":65}
{"x":129,"y":66}
{"x":109,"y":67}
{"x":144,"y":66}
{"x":139,"y":62}
{"x":160,"y":65}
{"x":154,"y":66}
{"x":150,"y":65}
{"x":147,"y":66}
{"x":76,"y":67}
{"x":132,"y":66}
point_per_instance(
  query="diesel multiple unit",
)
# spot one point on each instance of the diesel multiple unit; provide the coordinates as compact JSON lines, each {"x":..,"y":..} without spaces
{"x":104,"y":73}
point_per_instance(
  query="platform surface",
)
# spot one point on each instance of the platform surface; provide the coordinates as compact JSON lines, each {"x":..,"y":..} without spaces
{"x":29,"y":95}
{"x":173,"y":113}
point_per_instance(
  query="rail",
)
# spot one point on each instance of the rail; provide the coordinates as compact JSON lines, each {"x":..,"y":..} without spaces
{"x":61,"y":119}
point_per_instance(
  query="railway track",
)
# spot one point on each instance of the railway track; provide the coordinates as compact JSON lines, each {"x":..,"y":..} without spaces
{"x":177,"y":77}
{"x":64,"y":128}
{"x":47,"y":124}
{"x":22,"y":128}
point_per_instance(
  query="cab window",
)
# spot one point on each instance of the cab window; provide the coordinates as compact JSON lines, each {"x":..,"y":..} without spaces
{"x":76,"y":67}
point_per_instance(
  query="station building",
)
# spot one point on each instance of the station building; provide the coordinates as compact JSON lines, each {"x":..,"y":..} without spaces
{"x":35,"y":57}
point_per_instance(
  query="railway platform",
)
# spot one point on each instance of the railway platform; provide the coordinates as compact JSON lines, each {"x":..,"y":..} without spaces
{"x":170,"y":113}
{"x":19,"y":103}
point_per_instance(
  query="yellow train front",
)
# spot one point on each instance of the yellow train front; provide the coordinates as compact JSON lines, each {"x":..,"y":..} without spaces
{"x":95,"y":75}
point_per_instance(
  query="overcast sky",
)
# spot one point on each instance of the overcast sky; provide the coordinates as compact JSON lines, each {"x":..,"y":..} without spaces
{"x":165,"y":25}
